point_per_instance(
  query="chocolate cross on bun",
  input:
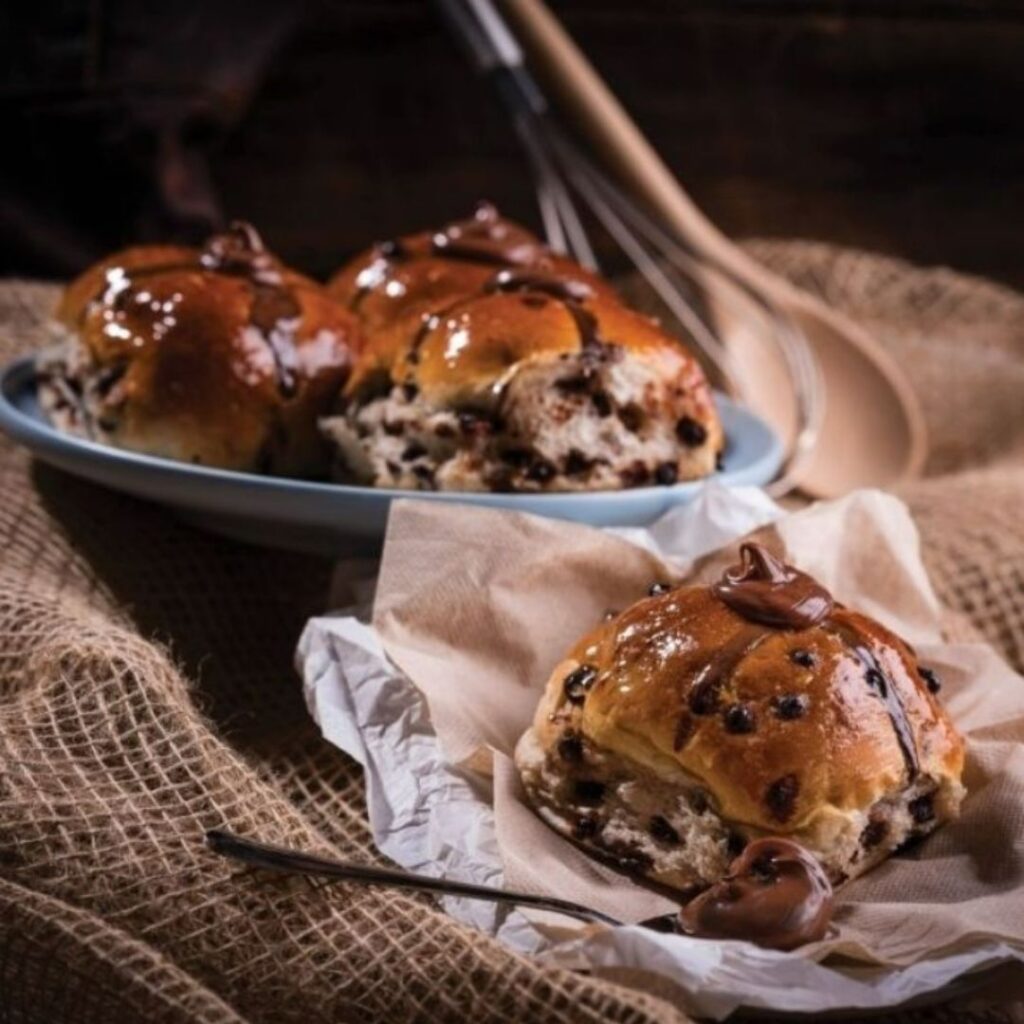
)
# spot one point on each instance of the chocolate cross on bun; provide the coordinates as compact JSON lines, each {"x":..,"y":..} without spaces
{"x":492,"y":363}
{"x":220,"y":356}
{"x":705,"y":717}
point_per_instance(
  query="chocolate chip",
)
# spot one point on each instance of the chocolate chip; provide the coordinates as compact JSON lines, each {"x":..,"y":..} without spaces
{"x":735,"y":844}
{"x":922,"y":809}
{"x":790,"y":706}
{"x":634,"y":862}
{"x":413,"y":450}
{"x":801,"y":657}
{"x":424,"y":474}
{"x":394,"y":428}
{"x":698,"y":801}
{"x":719,"y":462}
{"x":576,"y":462}
{"x":108,"y":377}
{"x":874,"y":832}
{"x":577,"y":385}
{"x":516,"y":456}
{"x":667,"y":474}
{"x":540,"y":470}
{"x":876,"y":681}
{"x":690,"y":432}
{"x":739,"y":718}
{"x":393,"y":467}
{"x":635,"y":475}
{"x":586,"y":827}
{"x":632,"y":417}
{"x":501,"y":480}
{"x":474,"y":424}
{"x":913,"y":840}
{"x":602,"y":403}
{"x":578,"y":682}
{"x":930,"y":678}
{"x":589,"y":791}
{"x":781,"y":795}
{"x":570,"y":747}
{"x":704,"y":699}
{"x":410,"y":390}
{"x":445,"y":430}
{"x":684,"y":730}
{"x":659,"y":588}
{"x":662,"y":831}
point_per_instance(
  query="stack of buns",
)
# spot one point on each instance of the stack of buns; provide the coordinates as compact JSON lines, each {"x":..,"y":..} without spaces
{"x":470,"y":358}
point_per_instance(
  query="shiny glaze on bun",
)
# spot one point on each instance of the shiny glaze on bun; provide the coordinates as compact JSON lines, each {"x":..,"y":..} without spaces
{"x":220,"y":356}
{"x":454,"y":319}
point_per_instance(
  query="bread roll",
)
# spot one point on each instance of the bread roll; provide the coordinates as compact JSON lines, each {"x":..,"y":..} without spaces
{"x":493,"y":364}
{"x":704,"y":717}
{"x":220,"y":357}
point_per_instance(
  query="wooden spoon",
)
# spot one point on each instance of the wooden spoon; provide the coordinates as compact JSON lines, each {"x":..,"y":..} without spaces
{"x":873,"y":432}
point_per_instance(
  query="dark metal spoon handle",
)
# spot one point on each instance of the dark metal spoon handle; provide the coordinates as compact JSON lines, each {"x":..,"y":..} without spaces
{"x":278,"y":858}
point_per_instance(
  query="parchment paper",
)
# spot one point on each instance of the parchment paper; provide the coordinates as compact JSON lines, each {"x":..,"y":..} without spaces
{"x":475,"y":606}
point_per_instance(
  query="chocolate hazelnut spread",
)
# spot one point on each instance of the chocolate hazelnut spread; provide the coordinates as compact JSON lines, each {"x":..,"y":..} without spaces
{"x":776,"y":894}
{"x":238,"y":251}
{"x":763,"y":589}
{"x":767,"y":591}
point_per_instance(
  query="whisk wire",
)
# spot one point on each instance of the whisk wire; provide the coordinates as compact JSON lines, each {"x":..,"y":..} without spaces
{"x":678,"y":271}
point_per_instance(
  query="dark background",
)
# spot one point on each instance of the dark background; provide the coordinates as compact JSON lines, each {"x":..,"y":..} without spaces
{"x":895,"y":125}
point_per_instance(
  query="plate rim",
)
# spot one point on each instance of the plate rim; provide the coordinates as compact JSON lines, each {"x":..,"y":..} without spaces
{"x":42,"y":438}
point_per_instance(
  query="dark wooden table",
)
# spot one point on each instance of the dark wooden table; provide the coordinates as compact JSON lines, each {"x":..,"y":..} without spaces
{"x":896,"y":126}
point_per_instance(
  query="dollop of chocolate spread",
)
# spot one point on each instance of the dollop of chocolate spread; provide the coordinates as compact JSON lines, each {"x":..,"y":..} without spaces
{"x":776,"y":895}
{"x":486,"y":236}
{"x":763,"y":589}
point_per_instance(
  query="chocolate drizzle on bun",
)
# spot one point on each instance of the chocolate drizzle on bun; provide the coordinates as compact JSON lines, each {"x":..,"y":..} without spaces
{"x":765,"y":590}
{"x":567,"y":388}
{"x":752,"y":708}
{"x":221,"y":356}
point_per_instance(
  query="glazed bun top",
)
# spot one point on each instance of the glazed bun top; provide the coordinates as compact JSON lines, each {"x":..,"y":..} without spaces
{"x":220,"y":356}
{"x":455,"y":312}
{"x":785,"y":705}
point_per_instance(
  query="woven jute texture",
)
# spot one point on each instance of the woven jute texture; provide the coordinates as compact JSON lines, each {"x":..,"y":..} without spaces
{"x":147,"y":694}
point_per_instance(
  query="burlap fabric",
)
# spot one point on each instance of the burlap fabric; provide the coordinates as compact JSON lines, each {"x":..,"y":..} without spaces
{"x":146,"y":694}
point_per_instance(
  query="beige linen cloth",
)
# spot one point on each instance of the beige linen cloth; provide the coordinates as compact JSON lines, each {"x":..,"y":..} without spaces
{"x":147,"y":694}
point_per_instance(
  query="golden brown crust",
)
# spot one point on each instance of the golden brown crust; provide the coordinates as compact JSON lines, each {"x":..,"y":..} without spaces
{"x":681,"y":728}
{"x":478,"y":332}
{"x":841,"y":750}
{"x":458,"y":319}
{"x":218,"y":361}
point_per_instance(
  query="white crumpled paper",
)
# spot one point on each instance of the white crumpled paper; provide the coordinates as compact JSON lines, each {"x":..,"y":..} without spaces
{"x":435,"y":818}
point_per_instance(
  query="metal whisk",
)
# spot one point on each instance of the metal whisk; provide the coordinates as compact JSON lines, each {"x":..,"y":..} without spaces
{"x":688,"y":282}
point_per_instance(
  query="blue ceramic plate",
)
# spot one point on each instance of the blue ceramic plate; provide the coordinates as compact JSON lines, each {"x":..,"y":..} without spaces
{"x":328,"y":518}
